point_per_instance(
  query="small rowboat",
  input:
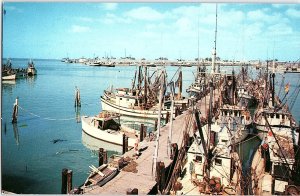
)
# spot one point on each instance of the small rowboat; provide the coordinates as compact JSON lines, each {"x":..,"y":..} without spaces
{"x":100,"y":176}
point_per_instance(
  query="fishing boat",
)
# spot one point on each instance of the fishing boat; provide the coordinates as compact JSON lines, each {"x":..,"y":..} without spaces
{"x":233,"y":114}
{"x":105,"y":127}
{"x":141,"y":101}
{"x":281,"y":121}
{"x":8,"y":76}
{"x":272,"y":111}
{"x":273,"y":169}
{"x":212,"y":165}
{"x":31,"y":70}
{"x":99,"y":176}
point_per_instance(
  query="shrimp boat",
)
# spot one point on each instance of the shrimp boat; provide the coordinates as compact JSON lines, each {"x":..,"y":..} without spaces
{"x":31,"y":70}
{"x":213,"y":165}
{"x":276,"y":114}
{"x":140,"y":101}
{"x":105,"y":127}
{"x":233,"y":115}
{"x":273,"y":169}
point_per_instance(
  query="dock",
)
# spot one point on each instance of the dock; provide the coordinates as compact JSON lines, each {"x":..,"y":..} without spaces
{"x":144,"y":177}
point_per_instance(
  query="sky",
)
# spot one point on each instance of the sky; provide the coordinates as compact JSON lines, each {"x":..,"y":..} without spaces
{"x":54,"y":30}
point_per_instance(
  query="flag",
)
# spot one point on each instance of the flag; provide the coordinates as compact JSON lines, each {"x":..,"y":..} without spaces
{"x":287,"y":88}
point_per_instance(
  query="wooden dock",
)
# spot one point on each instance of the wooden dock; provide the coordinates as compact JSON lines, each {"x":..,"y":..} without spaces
{"x":144,"y":177}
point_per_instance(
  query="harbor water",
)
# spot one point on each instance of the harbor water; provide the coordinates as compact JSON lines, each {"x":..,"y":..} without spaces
{"x":48,"y":136}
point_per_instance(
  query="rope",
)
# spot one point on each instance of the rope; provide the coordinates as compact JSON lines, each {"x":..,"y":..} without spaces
{"x":47,"y":118}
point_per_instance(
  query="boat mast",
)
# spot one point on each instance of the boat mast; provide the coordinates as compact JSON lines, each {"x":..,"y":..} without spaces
{"x":214,"y":53}
{"x":162,"y":80}
{"x":171,"y":116}
{"x":145,"y":85}
{"x":179,"y":84}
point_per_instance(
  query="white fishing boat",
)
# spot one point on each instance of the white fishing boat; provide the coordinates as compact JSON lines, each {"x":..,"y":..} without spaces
{"x":213,"y":168}
{"x":31,"y":70}
{"x":141,"y":101}
{"x":127,"y":103}
{"x":281,"y":121}
{"x":104,"y":127}
{"x":237,"y":119}
{"x":8,"y":76}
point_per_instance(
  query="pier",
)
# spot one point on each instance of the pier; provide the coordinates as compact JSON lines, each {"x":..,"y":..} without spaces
{"x":143,"y":178}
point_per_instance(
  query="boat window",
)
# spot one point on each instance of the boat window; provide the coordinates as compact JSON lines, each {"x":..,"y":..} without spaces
{"x":120,"y":98}
{"x":277,"y":115}
{"x":272,"y":115}
{"x":199,"y":159}
{"x":127,"y":99}
{"x":224,"y":141}
{"x":218,"y":162}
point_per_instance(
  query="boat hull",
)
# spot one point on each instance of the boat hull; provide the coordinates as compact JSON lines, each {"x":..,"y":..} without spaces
{"x":153,"y":114}
{"x":9,"y":77}
{"x":110,"y":136}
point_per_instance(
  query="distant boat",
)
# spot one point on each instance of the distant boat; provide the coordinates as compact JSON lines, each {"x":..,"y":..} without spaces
{"x":65,"y":60}
{"x":31,"y":71}
{"x":9,"y":76}
{"x":104,"y":127}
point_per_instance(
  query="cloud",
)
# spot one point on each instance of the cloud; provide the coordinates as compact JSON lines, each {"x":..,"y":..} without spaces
{"x":85,"y":19}
{"x":79,"y":29}
{"x":144,"y":13}
{"x":113,"y":19}
{"x":260,"y":15}
{"x":293,"y":13}
{"x":110,"y":6}
{"x":281,"y":29}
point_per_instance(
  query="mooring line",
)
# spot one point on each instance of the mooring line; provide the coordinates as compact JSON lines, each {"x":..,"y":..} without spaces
{"x":47,"y":118}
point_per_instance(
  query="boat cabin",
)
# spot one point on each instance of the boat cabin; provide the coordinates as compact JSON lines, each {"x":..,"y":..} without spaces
{"x":129,"y":99}
{"x":105,"y":120}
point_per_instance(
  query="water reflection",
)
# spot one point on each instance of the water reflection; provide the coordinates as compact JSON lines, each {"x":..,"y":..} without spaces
{"x":77,"y":114}
{"x":94,"y":144}
{"x":16,"y":133}
{"x":31,"y":80}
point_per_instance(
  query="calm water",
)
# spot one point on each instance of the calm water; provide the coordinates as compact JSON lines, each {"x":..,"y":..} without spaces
{"x":31,"y":162}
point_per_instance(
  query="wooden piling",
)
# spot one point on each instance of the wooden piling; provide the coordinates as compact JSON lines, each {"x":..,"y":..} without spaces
{"x":160,"y":175}
{"x":167,"y":117}
{"x":77,"y":98}
{"x":145,"y":131}
{"x":69,"y":180}
{"x":174,"y":150}
{"x":64,"y":183}
{"x":155,"y":125}
{"x":100,"y":156}
{"x":130,"y":191}
{"x":142,"y":133}
{"x":15,"y":112}
{"x":125,"y":144}
{"x":105,"y":160}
